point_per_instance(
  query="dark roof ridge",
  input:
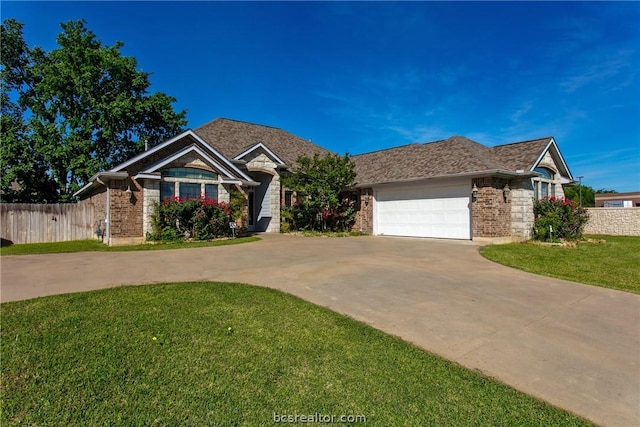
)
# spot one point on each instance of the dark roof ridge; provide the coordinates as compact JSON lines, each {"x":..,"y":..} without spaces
{"x":239,"y":121}
{"x":524,"y":142}
{"x":458,"y":138}
{"x":386,"y":149}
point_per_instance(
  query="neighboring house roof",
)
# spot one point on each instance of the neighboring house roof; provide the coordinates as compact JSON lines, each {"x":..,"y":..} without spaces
{"x":456,"y":155}
{"x":233,"y":137}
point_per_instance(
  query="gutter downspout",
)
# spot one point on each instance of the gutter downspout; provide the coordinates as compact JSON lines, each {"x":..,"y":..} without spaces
{"x":108,"y":218}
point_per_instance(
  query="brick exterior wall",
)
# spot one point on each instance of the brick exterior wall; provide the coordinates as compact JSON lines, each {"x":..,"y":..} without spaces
{"x":364,"y":215}
{"x":99,"y":201}
{"x":614,"y":221}
{"x":490,"y":214}
{"x":126,"y":215}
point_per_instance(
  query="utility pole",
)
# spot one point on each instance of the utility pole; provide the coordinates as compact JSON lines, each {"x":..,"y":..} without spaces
{"x":580,"y":188}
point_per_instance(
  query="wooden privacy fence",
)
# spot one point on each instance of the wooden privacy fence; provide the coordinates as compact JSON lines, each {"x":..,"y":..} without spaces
{"x":37,"y":223}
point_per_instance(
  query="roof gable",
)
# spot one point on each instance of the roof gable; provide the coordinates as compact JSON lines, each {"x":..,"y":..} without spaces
{"x":528,"y":155}
{"x":202,"y":155}
{"x":521,"y":155}
{"x":258,"y":149}
{"x":197,"y":143}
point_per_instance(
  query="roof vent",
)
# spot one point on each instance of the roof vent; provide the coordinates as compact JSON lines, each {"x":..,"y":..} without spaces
{"x":519,"y":171}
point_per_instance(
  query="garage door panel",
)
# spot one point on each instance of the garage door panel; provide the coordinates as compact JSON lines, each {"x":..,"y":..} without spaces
{"x":424,"y":212}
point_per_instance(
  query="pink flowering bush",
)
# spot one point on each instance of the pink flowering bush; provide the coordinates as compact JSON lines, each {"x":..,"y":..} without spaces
{"x":558,"y":219}
{"x":198,"y":219}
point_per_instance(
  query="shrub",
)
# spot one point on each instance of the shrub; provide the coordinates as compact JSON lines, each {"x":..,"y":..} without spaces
{"x":199,"y":219}
{"x":558,"y":219}
{"x":320,"y":183}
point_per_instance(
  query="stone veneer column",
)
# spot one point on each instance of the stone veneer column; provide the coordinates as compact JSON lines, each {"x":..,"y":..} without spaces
{"x":364,"y":216}
{"x":274,"y":225}
{"x":223,"y":193}
{"x":151,"y":199}
{"x":262,"y":163}
{"x":522,"y":208}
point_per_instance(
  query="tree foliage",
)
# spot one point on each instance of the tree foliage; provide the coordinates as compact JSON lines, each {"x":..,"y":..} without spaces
{"x":588,"y":194}
{"x":321,"y":184}
{"x":73,"y":111}
{"x":573,"y":193}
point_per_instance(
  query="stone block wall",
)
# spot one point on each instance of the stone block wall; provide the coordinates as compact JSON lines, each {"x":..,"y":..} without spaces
{"x":490,"y":213}
{"x":522,"y":217}
{"x":274,"y":225}
{"x":151,"y":199}
{"x":613,"y":221}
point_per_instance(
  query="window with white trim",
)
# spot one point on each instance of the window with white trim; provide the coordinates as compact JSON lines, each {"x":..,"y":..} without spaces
{"x":544,"y":185}
{"x":188,"y":183}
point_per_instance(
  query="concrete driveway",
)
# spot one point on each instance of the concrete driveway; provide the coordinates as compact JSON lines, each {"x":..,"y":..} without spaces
{"x":575,"y":346}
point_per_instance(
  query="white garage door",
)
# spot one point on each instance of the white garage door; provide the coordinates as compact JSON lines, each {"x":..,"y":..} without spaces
{"x":441,"y":211}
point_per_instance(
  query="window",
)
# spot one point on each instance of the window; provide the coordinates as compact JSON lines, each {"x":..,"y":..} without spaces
{"x":188,"y":183}
{"x":544,"y":189}
{"x":167,"y":190}
{"x":546,"y":173}
{"x":211,"y":191}
{"x":288,"y":198}
{"x":543,"y":186}
{"x":191,"y":173}
{"x":189,"y":190}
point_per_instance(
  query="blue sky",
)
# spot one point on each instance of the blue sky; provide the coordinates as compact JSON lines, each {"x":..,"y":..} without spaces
{"x":363,"y":76}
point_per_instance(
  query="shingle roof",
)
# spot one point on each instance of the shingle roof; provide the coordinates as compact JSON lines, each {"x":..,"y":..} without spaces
{"x":231,"y":137}
{"x":451,"y":156}
{"x":520,"y":155}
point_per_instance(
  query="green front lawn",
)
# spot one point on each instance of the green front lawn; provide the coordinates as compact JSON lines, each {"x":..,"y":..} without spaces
{"x":230,"y":354}
{"x":94,"y":245}
{"x":614,"y":264}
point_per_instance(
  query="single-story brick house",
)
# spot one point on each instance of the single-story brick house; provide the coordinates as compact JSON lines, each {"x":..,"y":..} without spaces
{"x":454,"y":188}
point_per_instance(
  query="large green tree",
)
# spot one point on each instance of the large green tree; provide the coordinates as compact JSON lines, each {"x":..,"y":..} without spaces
{"x":320,"y":183}
{"x":584,"y":192}
{"x":71,"y":112}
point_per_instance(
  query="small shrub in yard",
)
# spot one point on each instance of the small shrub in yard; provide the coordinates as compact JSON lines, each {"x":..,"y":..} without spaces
{"x":558,"y":219}
{"x":198,"y":219}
